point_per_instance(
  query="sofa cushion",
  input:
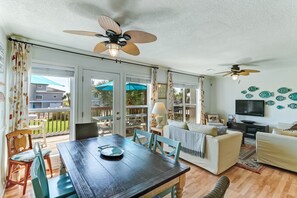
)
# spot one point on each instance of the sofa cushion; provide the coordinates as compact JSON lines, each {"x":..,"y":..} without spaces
{"x":177,"y":124}
{"x":277,"y":131}
{"x":206,"y":129}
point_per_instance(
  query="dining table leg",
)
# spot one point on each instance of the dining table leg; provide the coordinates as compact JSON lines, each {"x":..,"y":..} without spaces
{"x":180,"y":185}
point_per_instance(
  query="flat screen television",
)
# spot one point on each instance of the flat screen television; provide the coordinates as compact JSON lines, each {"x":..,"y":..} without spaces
{"x":249,"y":107}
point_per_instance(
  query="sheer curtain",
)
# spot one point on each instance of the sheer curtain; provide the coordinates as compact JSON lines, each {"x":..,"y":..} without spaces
{"x":154,"y":88}
{"x":170,"y":98}
{"x":19,"y":71}
{"x":201,"y":91}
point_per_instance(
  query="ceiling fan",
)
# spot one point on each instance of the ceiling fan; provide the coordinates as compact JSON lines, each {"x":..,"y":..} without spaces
{"x":116,"y":39}
{"x":235,"y":71}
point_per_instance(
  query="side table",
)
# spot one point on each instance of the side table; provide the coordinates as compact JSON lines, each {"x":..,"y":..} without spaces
{"x":157,"y":131}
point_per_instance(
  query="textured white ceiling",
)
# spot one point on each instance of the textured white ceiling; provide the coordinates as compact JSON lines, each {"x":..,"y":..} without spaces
{"x":193,"y":35}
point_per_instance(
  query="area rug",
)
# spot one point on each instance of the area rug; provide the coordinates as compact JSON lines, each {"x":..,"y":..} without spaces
{"x":248,"y":158}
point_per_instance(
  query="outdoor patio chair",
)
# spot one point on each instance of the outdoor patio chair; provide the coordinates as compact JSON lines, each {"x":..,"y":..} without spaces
{"x":20,"y":153}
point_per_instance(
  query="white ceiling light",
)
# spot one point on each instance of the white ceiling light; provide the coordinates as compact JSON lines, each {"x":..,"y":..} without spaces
{"x":113,"y":49}
{"x":234,"y":76}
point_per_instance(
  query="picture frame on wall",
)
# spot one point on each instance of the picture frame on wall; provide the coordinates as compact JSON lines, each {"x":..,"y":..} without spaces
{"x":162,"y":91}
{"x":2,"y":55}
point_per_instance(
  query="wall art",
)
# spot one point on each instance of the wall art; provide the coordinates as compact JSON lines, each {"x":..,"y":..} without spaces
{"x":280,"y":107}
{"x":283,"y":90}
{"x":293,"y":106}
{"x":253,"y":88}
{"x":266,"y":94}
{"x":162,"y":91}
{"x":270,"y":102}
{"x":249,"y":95}
{"x":293,"y":96}
{"x":280,"y":98}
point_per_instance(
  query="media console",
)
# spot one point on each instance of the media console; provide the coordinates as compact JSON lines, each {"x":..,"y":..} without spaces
{"x":248,"y":130}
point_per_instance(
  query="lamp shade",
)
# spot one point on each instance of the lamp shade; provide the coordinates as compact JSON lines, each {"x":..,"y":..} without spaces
{"x":159,"y":108}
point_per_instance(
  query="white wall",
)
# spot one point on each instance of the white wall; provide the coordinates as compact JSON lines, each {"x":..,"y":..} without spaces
{"x":2,"y":122}
{"x":225,"y":91}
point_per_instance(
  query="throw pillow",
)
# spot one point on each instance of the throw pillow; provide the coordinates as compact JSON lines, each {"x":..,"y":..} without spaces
{"x":222,"y":130}
{"x":206,"y":129}
{"x":178,"y":124}
{"x":213,"y":118}
{"x":290,"y":132}
{"x":294,"y":127}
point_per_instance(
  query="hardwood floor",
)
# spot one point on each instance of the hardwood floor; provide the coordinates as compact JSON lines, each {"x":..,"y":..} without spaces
{"x":272,"y":183}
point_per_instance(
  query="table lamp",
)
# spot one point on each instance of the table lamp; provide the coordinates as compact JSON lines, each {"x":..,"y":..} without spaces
{"x":159,"y":110}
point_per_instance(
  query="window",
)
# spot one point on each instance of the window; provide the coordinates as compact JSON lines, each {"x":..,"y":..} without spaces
{"x":39,"y":97}
{"x":185,"y":104}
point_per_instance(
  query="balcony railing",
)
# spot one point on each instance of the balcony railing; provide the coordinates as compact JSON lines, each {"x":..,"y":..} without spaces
{"x":57,"y":121}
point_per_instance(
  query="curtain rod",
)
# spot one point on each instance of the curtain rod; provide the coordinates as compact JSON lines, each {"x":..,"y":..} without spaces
{"x":177,"y":72}
{"x":78,"y":53}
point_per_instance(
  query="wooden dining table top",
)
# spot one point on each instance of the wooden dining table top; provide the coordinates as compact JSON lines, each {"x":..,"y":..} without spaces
{"x":136,"y":173}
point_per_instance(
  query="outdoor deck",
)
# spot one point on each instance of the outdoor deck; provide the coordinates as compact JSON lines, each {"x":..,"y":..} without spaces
{"x":52,"y":141}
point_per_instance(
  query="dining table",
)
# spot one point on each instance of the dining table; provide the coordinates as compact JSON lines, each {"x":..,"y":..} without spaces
{"x":137,"y":172}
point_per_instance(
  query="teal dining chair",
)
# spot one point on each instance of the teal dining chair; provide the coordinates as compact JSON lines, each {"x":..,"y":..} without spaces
{"x":175,"y":145}
{"x":139,"y":135}
{"x":60,"y":186}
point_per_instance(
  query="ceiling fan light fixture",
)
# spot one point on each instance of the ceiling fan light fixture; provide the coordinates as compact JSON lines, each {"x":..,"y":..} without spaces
{"x":235,"y":76}
{"x":113,"y":49}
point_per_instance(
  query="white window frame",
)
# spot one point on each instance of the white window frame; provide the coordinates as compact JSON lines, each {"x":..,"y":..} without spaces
{"x":184,"y":105}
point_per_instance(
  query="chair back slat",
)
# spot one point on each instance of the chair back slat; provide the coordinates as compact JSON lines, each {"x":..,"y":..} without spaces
{"x":18,"y":141}
{"x":148,"y":138}
{"x":86,"y":130}
{"x":38,"y":154}
{"x":39,"y":179}
{"x":171,"y":143}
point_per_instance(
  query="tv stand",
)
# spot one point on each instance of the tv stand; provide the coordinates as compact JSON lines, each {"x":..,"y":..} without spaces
{"x":248,"y":130}
{"x":248,"y":121}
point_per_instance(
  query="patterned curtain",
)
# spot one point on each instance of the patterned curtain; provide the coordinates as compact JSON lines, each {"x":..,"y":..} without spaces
{"x":154,"y":88}
{"x":19,"y":83}
{"x":202,"y":113}
{"x":170,"y":99}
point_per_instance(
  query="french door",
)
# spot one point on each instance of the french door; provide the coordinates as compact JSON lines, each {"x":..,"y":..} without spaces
{"x":101,"y":100}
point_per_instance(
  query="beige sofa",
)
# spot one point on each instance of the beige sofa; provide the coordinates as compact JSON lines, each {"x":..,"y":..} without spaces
{"x":221,"y":152}
{"x":277,"y":150}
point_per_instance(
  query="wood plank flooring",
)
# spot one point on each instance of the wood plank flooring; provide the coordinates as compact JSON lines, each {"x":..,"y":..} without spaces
{"x":271,"y":183}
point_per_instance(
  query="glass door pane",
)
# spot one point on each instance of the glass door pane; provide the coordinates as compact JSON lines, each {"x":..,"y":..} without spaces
{"x":136,"y":107}
{"x":101,"y":101}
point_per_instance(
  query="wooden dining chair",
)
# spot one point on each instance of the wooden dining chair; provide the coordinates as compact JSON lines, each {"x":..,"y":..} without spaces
{"x":175,"y":145}
{"x":86,"y":130}
{"x":20,"y":154}
{"x":62,"y":182}
{"x":54,"y":187}
{"x":143,"y":137}
{"x":220,"y":188}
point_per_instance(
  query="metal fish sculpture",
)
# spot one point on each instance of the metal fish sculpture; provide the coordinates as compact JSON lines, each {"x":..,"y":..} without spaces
{"x":280,"y":98}
{"x":253,"y":88}
{"x":249,"y":95}
{"x":283,"y":90}
{"x":293,"y":96}
{"x":266,"y":94}
{"x":244,"y":92}
{"x":293,"y":106}
{"x":280,"y":107}
{"x":270,"y":102}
